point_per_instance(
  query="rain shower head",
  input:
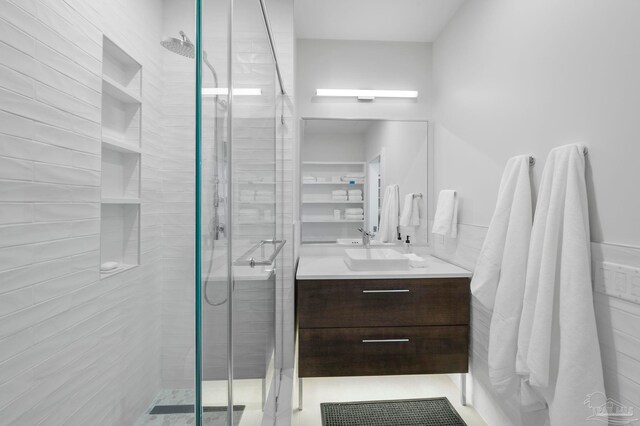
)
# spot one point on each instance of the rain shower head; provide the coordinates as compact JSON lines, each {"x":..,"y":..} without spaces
{"x":182,"y":47}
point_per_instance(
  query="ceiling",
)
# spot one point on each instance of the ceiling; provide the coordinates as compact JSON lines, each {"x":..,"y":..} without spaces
{"x":380,"y":20}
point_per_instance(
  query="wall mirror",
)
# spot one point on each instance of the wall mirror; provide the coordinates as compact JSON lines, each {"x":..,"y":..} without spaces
{"x":345,"y":166}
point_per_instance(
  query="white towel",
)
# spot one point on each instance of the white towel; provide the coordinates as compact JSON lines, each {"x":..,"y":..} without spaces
{"x":339,"y":192}
{"x":354,"y":191}
{"x":410,"y":211}
{"x":388,"y":228}
{"x":499,"y":276}
{"x":355,"y":198}
{"x":354,"y":217}
{"x":445,"y":221}
{"x":339,"y":198}
{"x":558,"y":349}
{"x":354,"y":211}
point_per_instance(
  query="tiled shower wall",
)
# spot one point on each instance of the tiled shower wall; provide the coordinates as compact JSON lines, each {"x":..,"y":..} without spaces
{"x":74,"y":349}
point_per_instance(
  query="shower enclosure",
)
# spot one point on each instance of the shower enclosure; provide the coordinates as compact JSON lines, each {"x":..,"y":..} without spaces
{"x":237,"y":243}
{"x":140,"y":212}
{"x":225,"y":342}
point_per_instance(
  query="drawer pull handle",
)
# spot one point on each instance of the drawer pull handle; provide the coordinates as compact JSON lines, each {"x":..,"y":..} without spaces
{"x":385,"y":341}
{"x":386,"y":291}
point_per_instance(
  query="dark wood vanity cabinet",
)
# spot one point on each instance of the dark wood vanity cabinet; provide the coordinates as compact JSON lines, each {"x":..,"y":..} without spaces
{"x":382,"y":326}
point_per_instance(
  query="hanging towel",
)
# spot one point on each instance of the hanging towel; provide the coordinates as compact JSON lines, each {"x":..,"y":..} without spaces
{"x":387,"y":231}
{"x":558,"y":349}
{"x":499,"y":276}
{"x":445,"y":221}
{"x":410,"y":211}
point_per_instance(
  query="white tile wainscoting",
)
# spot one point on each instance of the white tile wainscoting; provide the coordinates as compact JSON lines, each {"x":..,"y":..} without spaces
{"x":616,"y":320}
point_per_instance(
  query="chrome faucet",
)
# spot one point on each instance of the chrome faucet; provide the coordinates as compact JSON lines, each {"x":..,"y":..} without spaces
{"x":366,"y":238}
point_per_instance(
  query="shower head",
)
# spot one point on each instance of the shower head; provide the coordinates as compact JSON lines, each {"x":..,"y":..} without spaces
{"x":182,"y":47}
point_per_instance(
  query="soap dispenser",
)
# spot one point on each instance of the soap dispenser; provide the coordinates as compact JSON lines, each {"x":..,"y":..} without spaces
{"x":399,"y":242}
{"x":407,"y":245}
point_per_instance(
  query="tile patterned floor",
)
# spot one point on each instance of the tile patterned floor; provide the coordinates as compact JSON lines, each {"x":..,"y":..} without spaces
{"x":247,"y":392}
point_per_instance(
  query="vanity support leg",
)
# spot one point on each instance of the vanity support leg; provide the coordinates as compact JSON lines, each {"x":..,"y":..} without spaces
{"x":463,"y":389}
{"x":300,"y":394}
{"x":264,"y":393}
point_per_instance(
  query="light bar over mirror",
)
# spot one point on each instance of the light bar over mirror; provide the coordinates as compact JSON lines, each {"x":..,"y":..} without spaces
{"x":367,"y":94}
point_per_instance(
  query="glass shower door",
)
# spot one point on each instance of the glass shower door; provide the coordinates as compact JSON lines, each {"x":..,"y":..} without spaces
{"x":253,"y":210}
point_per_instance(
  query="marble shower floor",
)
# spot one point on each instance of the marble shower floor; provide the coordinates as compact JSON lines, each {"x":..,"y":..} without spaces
{"x":214,"y":393}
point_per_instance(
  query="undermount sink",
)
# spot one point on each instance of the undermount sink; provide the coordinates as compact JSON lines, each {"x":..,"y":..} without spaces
{"x":378,"y":259}
{"x":358,"y":242}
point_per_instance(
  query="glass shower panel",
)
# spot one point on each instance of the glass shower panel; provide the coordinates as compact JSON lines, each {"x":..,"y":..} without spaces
{"x":214,"y":204}
{"x":253,"y":192}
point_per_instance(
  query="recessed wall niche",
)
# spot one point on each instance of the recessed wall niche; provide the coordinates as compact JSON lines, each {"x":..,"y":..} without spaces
{"x":121,"y":159}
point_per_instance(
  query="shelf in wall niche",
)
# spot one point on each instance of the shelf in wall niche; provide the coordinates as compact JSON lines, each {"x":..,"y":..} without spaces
{"x":116,"y":90}
{"x":120,"y":269}
{"x":115,"y":144}
{"x":120,"y":201}
{"x":121,"y":159}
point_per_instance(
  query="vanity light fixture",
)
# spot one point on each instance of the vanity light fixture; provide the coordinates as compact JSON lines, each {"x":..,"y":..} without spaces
{"x":224,"y":91}
{"x":367,"y":95}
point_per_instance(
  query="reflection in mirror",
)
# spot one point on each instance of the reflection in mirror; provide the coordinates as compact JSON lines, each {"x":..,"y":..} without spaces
{"x":345,"y":168}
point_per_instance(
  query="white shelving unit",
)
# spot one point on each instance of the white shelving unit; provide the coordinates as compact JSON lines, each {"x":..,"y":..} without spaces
{"x":121,"y":159}
{"x":317,"y":205}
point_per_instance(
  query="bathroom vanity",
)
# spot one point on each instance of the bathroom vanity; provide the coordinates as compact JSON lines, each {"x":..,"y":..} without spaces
{"x":363,"y":323}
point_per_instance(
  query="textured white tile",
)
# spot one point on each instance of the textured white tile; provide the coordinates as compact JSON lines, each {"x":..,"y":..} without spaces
{"x":15,"y":213}
{"x":11,"y":235}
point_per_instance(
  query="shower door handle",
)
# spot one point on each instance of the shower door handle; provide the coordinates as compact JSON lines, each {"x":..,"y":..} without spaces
{"x":248,"y":259}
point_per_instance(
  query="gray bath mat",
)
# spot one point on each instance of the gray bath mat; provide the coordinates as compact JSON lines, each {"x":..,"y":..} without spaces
{"x":401,"y":412}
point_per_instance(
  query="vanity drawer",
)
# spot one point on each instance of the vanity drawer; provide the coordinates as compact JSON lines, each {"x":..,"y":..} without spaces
{"x":382,"y":303}
{"x":383,"y":351}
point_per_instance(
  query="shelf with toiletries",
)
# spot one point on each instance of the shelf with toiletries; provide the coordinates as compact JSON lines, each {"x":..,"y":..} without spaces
{"x":332,"y":199}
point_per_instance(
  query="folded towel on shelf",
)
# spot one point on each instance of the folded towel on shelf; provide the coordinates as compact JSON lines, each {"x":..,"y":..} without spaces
{"x":339,"y":198}
{"x":445,"y":221}
{"x":354,"y":175}
{"x":339,"y":192}
{"x":355,"y":198}
{"x":354,"y":210}
{"x":324,"y":179}
{"x":352,"y":179}
{"x":411,"y":211}
{"x":354,"y":216}
{"x":354,"y":191}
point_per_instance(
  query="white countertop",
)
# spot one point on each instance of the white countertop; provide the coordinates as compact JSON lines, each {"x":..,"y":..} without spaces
{"x":334,"y":268}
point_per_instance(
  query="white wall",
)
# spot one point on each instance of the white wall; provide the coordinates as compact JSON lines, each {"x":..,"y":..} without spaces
{"x":521,"y":78}
{"x":333,"y":147}
{"x":404,"y":163}
{"x":341,"y":64}
{"x":73,"y":349}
